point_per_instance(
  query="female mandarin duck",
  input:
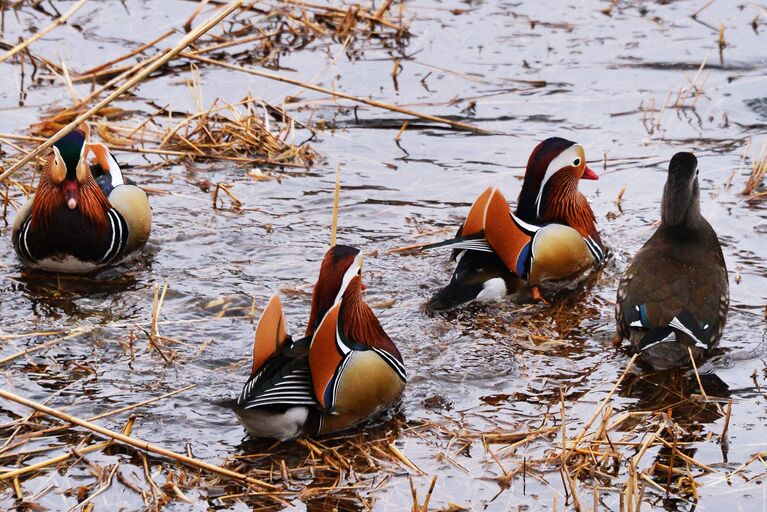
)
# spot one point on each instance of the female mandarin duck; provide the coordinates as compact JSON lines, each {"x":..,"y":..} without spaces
{"x":548,"y":243}
{"x":674,"y":293}
{"x":78,"y":223}
{"x":345,"y":369}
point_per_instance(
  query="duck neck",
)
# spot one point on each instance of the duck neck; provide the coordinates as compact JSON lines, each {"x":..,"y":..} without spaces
{"x":360,"y":323}
{"x":561,"y":202}
{"x":322,"y":301}
{"x":92,"y":204}
{"x":675,"y":216}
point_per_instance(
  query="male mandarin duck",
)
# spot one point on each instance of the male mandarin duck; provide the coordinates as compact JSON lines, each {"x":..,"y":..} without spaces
{"x":548,"y":243}
{"x":674,"y":294}
{"x":343,"y":371}
{"x":76,"y":222}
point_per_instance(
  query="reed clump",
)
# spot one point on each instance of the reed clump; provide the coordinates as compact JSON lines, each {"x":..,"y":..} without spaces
{"x":754,"y":189}
{"x":248,"y":131}
{"x":263,"y":34}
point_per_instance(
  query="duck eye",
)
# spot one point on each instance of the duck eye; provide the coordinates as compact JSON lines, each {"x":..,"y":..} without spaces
{"x":697,"y":172}
{"x":577,"y":162}
{"x":359,"y":271}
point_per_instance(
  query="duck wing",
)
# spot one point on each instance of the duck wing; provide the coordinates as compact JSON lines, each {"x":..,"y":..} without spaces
{"x":279,"y":377}
{"x":674,"y":285}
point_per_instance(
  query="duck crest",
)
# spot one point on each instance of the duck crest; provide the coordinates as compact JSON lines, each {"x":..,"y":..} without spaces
{"x":70,"y":148}
{"x":335,"y":263}
{"x":549,"y":196}
{"x":535,"y":176}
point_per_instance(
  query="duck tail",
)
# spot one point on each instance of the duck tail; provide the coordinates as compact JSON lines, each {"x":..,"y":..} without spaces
{"x":226,"y":403}
{"x":683,"y":326}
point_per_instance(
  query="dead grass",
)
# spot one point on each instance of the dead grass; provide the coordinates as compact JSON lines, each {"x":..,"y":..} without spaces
{"x":265,"y":33}
{"x":754,"y":189}
{"x":249,"y":131}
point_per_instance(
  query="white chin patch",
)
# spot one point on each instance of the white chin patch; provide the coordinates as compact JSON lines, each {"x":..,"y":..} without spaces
{"x":72,"y":204}
{"x":493,"y":289}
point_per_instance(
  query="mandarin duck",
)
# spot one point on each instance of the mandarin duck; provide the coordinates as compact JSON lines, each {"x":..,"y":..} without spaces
{"x":343,"y":371}
{"x":674,"y":294}
{"x":76,"y":222}
{"x":550,"y":242}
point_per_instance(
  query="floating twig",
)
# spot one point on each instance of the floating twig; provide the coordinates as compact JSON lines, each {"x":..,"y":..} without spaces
{"x":134,"y":442}
{"x":62,"y":19}
{"x":458,"y":125}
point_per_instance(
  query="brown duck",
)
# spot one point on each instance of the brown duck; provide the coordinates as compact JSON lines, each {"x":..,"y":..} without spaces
{"x":674,"y":294}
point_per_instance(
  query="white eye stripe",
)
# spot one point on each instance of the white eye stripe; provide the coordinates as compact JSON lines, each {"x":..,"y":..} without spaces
{"x":354,"y":270}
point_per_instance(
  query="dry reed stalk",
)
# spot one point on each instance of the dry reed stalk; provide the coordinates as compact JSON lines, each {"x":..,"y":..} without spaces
{"x":378,"y":104}
{"x":86,"y":75}
{"x":79,"y":452}
{"x":134,"y":442}
{"x":604,"y":402}
{"x":62,"y":19}
{"x":159,"y":298}
{"x":406,"y":248}
{"x":758,"y":171}
{"x":686,"y":91}
{"x":122,"y":75}
{"x":146,"y":71}
{"x":405,"y":460}
{"x":195,"y":13}
{"x":107,"y":414}
{"x":31,"y":350}
{"x":336,"y":200}
{"x":726,"y":419}
{"x":701,"y":9}
{"x":234,"y":42}
{"x":687,"y":458}
{"x":427,"y":499}
{"x":697,"y":375}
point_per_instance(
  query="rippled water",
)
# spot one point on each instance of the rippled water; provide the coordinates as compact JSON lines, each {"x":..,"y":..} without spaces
{"x":602,"y":73}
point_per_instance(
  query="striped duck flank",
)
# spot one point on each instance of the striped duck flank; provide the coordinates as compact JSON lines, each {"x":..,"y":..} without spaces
{"x":550,"y":241}
{"x":343,"y":372}
{"x":673,"y":297}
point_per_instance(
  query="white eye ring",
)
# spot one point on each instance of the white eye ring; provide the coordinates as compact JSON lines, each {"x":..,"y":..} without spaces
{"x":577,"y":162}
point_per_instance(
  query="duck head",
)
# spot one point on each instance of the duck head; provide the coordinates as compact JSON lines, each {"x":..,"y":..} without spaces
{"x":681,"y":195}
{"x":66,"y":182}
{"x":550,"y":188}
{"x":340,"y":274}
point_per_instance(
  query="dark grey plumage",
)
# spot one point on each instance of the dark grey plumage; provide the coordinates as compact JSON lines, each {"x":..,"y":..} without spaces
{"x":674,"y":294}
